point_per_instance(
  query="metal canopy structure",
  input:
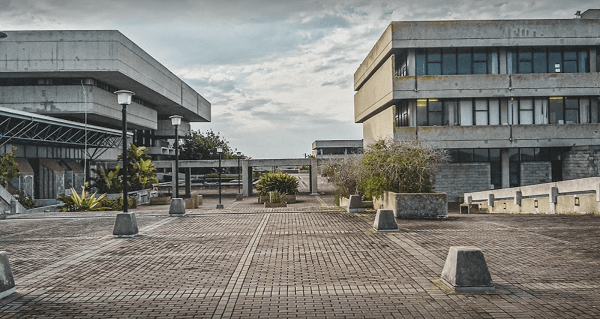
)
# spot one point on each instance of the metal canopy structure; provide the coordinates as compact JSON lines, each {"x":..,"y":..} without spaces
{"x":35,"y":129}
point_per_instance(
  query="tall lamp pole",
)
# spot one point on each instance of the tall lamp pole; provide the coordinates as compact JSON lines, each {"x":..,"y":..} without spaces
{"x":220,"y":151}
{"x":124,"y":99}
{"x":176,"y":121}
{"x":239,"y":195}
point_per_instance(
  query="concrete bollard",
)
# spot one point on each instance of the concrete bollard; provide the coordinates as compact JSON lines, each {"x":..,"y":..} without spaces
{"x":125,"y":225}
{"x":465,"y":270}
{"x":177,"y":208}
{"x":385,"y":221}
{"x":7,"y":281}
{"x":355,"y":204}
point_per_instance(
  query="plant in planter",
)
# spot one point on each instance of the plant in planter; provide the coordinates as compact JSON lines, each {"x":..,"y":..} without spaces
{"x":81,"y":203}
{"x":276,"y":199}
{"x":277,"y":182}
{"x":389,"y":170}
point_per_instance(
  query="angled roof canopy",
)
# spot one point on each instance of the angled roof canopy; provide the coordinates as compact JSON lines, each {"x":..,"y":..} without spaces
{"x":31,"y":128}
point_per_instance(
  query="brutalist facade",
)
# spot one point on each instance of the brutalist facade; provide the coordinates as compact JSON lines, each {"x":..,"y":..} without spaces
{"x":515,"y":102}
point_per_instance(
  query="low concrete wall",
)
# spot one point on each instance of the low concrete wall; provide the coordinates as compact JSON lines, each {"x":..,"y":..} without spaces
{"x":567,"y":197}
{"x":414,"y":206}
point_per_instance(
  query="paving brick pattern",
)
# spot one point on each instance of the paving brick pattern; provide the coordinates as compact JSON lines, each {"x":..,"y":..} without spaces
{"x":308,"y":260}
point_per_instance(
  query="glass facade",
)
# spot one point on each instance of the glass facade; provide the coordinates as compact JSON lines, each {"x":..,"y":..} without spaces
{"x":524,"y":60}
{"x":496,"y":111}
{"x":453,"y":61}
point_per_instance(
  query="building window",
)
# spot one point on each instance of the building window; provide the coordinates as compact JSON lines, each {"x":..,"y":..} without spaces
{"x":525,"y":111}
{"x":547,"y":60}
{"x":481,"y":112}
{"x":569,"y":110}
{"x":402,"y":114}
{"x":451,"y":61}
{"x":432,"y":112}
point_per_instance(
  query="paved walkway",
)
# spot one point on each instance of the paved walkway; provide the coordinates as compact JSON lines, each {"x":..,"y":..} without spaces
{"x":307,"y":260}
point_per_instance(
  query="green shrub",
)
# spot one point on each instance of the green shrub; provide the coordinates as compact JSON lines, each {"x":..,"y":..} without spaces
{"x":276,"y":197}
{"x":400,"y":167}
{"x":8,"y":167}
{"x":279,"y":182}
{"x":25,"y":199}
{"x":83,"y":203}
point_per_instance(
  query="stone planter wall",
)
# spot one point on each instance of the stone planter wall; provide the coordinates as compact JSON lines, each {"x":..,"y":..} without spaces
{"x":414,"y":206}
{"x":288,"y":198}
{"x":142,"y":196}
{"x":267,"y":205}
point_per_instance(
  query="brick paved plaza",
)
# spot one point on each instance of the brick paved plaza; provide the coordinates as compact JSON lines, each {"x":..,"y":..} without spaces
{"x":307,"y":260}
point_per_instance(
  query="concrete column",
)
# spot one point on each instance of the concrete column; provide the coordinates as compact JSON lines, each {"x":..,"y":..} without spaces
{"x":552,"y":196}
{"x":491,"y":200}
{"x":505,"y":168}
{"x":411,"y":62}
{"x":313,"y":176}
{"x":246,"y":179}
{"x":502,"y":61}
{"x":593,"y":54}
{"x":188,"y":182}
{"x":518,"y":197}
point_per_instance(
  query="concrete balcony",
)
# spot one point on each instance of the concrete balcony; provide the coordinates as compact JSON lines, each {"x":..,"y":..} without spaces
{"x":503,"y":136}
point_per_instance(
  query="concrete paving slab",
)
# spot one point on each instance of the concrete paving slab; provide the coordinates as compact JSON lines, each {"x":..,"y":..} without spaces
{"x":307,"y":260}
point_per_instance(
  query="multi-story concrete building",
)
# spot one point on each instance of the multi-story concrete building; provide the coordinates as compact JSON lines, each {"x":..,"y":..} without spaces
{"x":57,"y":103}
{"x":514,"y":101}
{"x":336,"y":148}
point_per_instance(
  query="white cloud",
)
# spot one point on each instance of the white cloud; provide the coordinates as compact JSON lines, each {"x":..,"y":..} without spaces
{"x":279,"y":74}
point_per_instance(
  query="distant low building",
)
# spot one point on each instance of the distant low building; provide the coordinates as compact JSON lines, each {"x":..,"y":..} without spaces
{"x":336,"y":148}
{"x":58,"y":107}
{"x":515,"y":102}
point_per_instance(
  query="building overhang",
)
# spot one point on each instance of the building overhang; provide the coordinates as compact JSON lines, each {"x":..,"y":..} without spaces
{"x":35,"y":129}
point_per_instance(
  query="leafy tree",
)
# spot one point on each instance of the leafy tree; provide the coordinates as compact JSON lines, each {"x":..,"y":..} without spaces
{"x":203,"y":146}
{"x":141,"y":172}
{"x":8,"y":167}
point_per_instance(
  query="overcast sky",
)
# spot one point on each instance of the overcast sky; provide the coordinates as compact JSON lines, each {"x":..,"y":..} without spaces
{"x":278,"y":73}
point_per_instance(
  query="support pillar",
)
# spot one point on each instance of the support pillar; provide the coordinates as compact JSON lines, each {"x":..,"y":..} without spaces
{"x":246,"y":179}
{"x":314,"y":172}
{"x":188,"y":182}
{"x":505,"y":168}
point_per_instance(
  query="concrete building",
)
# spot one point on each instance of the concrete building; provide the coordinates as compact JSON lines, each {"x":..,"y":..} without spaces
{"x":514,"y":101}
{"x":336,"y":148}
{"x":58,"y":107}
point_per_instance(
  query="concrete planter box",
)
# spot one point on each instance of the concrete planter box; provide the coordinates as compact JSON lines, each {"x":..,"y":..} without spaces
{"x":344,"y":201}
{"x":415,"y":206}
{"x":163,"y":200}
{"x":142,"y":196}
{"x":267,"y":205}
{"x":288,"y":198}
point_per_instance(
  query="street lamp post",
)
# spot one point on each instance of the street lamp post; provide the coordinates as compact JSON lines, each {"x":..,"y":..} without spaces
{"x":177,"y":208}
{"x":239,"y":195}
{"x":176,"y":121}
{"x":220,"y":151}
{"x":125,"y":223}
{"x":124,"y":99}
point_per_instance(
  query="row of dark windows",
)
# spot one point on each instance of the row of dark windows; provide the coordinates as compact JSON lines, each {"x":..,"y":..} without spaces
{"x":547,"y":60}
{"x":453,"y":61}
{"x":487,"y":111}
{"x":33,"y":151}
{"x":68,"y":81}
{"x":537,"y":154}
